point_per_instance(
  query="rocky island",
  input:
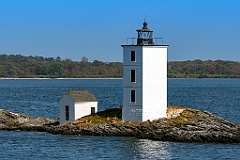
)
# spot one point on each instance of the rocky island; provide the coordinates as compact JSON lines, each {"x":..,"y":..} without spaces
{"x":181,"y":125}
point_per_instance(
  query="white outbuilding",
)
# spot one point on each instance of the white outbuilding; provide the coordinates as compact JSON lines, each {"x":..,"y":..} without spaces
{"x":75,"y":104}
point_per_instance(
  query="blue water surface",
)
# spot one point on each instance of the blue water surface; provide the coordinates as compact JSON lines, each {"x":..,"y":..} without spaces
{"x":40,"y":98}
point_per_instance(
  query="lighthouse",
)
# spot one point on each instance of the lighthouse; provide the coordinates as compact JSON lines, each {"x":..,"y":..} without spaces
{"x":145,"y":78}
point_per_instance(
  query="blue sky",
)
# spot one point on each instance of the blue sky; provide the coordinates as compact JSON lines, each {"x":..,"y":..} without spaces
{"x":194,"y":29}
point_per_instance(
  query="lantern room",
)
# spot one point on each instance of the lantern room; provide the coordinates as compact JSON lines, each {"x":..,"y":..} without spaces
{"x":144,"y":35}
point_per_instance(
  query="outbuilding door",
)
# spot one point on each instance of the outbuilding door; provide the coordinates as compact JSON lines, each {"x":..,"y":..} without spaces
{"x":92,"y":110}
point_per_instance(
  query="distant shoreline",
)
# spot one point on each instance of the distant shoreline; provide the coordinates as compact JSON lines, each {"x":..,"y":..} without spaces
{"x":93,"y":78}
{"x":52,"y":78}
{"x":51,"y":68}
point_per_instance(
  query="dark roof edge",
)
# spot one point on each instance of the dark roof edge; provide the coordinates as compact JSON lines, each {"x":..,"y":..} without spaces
{"x":164,"y":45}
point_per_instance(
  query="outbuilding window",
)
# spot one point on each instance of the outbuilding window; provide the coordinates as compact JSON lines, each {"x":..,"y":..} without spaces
{"x":67,"y":113}
{"x":133,"y":96}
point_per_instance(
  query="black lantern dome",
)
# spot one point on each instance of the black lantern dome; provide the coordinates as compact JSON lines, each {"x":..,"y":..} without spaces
{"x":144,"y":35}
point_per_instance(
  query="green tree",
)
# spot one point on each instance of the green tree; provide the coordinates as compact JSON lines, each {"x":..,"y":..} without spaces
{"x":84,"y":59}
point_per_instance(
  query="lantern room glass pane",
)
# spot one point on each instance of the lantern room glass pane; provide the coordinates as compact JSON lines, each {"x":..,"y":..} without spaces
{"x":145,"y":35}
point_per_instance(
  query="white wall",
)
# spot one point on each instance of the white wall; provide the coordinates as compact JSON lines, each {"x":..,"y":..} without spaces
{"x":151,"y":83}
{"x":127,"y":55}
{"x":66,"y":101}
{"x":154,"y":82}
{"x":127,"y":76}
{"x":132,"y":111}
{"x":76,"y":111}
{"x":84,"y":108}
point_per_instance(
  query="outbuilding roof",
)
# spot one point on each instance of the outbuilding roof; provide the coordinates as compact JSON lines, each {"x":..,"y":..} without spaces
{"x":81,"y":96}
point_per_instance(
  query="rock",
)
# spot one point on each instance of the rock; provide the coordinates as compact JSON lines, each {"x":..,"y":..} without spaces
{"x":183,"y":125}
{"x":14,"y":121}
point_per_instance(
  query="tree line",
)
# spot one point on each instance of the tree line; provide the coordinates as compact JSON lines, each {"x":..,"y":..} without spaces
{"x":204,"y":69}
{"x":19,"y":66}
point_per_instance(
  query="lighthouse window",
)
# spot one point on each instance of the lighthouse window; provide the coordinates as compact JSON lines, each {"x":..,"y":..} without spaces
{"x":133,"y":56}
{"x":133,"y":75}
{"x":67,"y":113}
{"x":133,"y":96}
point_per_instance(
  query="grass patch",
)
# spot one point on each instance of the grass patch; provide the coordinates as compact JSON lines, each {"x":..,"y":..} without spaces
{"x":108,"y":116}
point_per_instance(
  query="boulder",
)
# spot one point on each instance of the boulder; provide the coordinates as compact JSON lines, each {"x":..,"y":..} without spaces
{"x":15,"y":121}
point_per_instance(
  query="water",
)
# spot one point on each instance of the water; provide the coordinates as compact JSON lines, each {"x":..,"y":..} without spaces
{"x":218,"y":96}
{"x":40,"y":98}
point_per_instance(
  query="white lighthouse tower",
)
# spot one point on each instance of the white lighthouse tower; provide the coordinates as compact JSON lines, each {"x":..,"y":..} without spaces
{"x":145,"y":78}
